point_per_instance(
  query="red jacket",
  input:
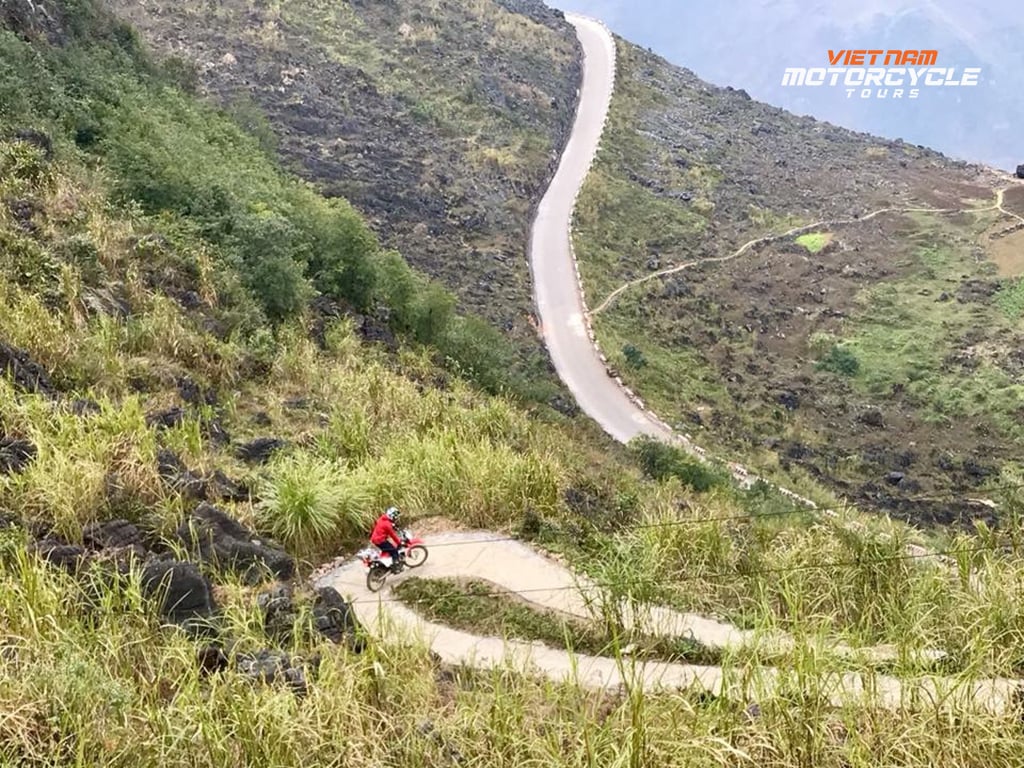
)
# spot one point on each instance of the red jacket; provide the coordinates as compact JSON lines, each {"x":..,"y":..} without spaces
{"x":383,"y":530}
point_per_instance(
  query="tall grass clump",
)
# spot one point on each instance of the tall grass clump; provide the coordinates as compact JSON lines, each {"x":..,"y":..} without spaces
{"x":308,"y":502}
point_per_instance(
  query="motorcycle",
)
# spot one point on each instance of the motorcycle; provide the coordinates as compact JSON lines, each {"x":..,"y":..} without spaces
{"x":412,"y":554}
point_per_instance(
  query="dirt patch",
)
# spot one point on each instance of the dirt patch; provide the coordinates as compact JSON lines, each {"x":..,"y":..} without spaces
{"x":934,"y":190}
{"x":1013,"y":199}
{"x":1006,"y":249}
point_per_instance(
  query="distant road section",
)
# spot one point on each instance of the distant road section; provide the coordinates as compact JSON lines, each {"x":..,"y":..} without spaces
{"x":560,"y":303}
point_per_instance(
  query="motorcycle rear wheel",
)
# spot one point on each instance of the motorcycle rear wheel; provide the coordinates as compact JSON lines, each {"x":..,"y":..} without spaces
{"x":375,"y":578}
{"x":416,"y":556}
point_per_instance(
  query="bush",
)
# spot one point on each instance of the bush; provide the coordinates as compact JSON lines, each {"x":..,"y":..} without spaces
{"x":661,"y":461}
{"x":396,"y":288}
{"x":634,"y":357}
{"x":280,"y":286}
{"x":840,"y":360}
{"x":479,"y":352}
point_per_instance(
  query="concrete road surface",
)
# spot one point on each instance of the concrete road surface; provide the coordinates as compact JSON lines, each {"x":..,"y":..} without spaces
{"x":555,"y":281}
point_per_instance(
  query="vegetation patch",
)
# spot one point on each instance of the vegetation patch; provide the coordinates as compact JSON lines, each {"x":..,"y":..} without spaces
{"x":814,"y":242}
{"x":484,"y":609}
{"x":1011,"y":298}
{"x":662,"y":461}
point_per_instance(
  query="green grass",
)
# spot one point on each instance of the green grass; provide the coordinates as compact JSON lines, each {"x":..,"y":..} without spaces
{"x":814,"y":242}
{"x":627,"y":225}
{"x":903,"y":336}
{"x":109,"y":686}
{"x":1011,"y":298}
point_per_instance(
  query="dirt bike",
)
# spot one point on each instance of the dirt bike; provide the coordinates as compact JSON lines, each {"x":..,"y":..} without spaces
{"x":412,"y":554}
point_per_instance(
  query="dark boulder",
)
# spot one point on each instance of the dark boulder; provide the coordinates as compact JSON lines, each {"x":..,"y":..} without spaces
{"x":193,"y":394}
{"x":117,"y":536}
{"x":978,"y":470}
{"x":789,"y":400}
{"x":85,"y":407}
{"x":334,"y":618}
{"x":895,"y":478}
{"x":260,"y":450}
{"x":277,"y":605}
{"x":272,"y":667}
{"x":167,"y":419}
{"x":223,"y":542}
{"x":220,"y":487}
{"x":26,"y":374}
{"x":178,"y":477}
{"x":375,"y":331}
{"x":211,"y":659}
{"x":872,"y":417}
{"x":15,"y":455}
{"x":215,"y":431}
{"x":181,"y":590}
{"x":798,"y":451}
{"x":564,"y":406}
{"x":56,"y":552}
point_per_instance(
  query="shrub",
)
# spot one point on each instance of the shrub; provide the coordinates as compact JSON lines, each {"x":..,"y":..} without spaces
{"x":634,"y":357}
{"x":662,"y":461}
{"x":841,"y":360}
{"x":478,"y":352}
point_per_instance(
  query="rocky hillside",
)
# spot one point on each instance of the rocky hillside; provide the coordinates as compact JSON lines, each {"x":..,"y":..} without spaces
{"x":440,"y":121}
{"x":878,"y":353}
{"x":977,"y":123}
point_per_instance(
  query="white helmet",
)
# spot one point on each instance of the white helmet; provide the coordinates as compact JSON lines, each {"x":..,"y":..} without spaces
{"x":392,"y":514}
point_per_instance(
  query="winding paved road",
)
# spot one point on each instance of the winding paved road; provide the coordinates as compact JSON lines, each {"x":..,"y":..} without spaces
{"x":549,"y":586}
{"x":560,"y":303}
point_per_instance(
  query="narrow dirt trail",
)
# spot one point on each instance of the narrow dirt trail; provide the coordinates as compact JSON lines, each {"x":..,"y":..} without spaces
{"x":548,"y":586}
{"x":999,"y":206}
{"x":795,"y":232}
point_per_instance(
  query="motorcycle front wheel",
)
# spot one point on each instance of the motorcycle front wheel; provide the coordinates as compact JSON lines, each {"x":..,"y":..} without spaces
{"x":375,"y":578}
{"x":416,"y":556}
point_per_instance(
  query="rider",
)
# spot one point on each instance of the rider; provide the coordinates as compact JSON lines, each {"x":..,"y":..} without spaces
{"x":384,"y":534}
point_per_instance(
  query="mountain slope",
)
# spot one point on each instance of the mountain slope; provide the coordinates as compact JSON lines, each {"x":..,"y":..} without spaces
{"x":145,"y":244}
{"x":440,"y":121}
{"x":877,"y":355}
{"x":977,"y":123}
